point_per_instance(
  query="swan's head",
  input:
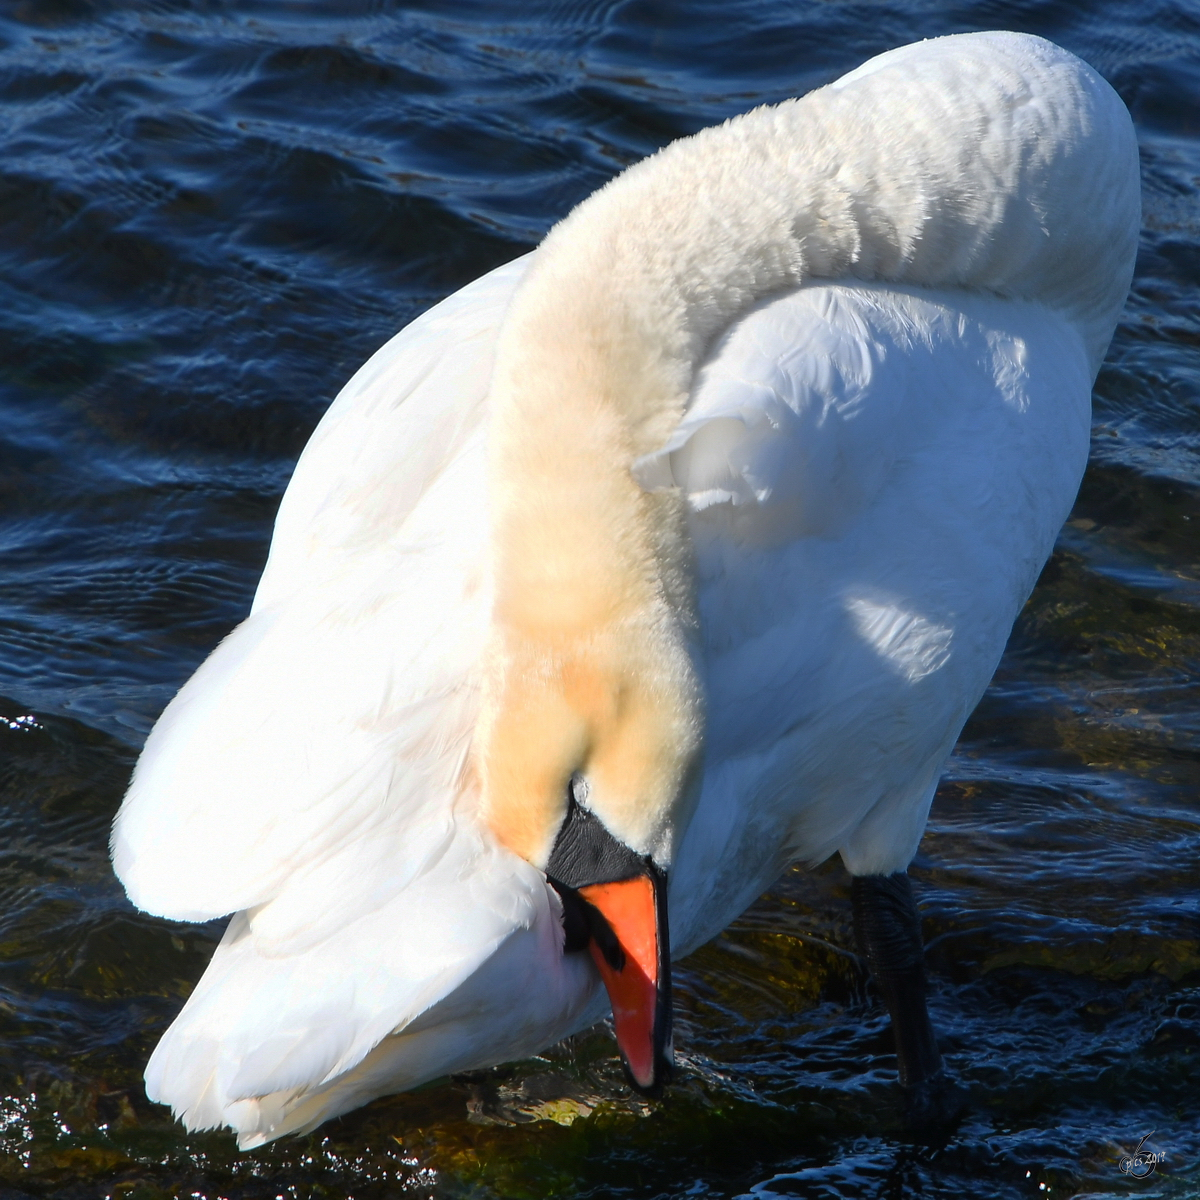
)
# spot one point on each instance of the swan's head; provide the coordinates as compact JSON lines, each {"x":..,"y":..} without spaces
{"x":588,"y":753}
{"x":613,"y":720}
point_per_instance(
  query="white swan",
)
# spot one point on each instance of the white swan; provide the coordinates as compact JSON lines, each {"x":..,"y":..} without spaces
{"x":690,"y":539}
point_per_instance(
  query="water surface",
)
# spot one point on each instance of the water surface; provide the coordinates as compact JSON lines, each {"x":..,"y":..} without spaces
{"x":210,"y":214}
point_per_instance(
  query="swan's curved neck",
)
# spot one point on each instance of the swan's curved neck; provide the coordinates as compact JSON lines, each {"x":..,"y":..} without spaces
{"x":991,"y":162}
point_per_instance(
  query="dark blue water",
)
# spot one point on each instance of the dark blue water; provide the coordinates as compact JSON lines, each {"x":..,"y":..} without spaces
{"x":210,"y":214}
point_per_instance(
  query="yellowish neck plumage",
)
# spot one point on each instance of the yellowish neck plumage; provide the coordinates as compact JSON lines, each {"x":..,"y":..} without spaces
{"x":590,"y":670}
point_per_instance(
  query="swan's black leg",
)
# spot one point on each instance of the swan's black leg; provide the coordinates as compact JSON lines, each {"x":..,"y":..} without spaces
{"x":889,"y":938}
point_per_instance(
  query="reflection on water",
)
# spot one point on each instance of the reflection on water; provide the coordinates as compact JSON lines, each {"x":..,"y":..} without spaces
{"x":210,"y":215}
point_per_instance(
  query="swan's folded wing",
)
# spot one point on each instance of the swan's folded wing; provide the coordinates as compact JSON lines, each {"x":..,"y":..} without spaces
{"x":389,"y":434}
{"x":339,"y":713}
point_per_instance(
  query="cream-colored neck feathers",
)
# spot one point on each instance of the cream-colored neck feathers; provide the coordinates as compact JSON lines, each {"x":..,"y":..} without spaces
{"x":994,"y":162}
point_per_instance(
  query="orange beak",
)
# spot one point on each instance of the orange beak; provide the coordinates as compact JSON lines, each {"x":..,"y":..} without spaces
{"x":635,"y":965}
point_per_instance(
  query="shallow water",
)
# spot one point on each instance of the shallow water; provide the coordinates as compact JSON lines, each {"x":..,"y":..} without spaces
{"x":210,"y":214}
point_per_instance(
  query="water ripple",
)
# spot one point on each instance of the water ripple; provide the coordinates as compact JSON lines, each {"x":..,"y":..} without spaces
{"x":210,"y":213}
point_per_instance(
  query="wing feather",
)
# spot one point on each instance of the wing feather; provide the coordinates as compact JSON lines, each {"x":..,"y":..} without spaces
{"x":321,"y":745}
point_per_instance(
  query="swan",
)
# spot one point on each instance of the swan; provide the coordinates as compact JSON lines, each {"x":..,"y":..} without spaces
{"x":670,"y":554}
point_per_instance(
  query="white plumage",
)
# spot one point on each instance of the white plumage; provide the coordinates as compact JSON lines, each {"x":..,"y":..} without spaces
{"x":911,"y":277}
